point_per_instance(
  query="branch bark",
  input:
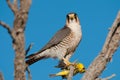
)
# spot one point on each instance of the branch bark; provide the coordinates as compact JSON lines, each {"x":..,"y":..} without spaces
{"x":71,"y":67}
{"x":1,"y":76}
{"x":14,"y":6}
{"x":17,"y":33}
{"x":6,"y":26}
{"x":110,"y":46}
{"x":19,"y":40}
{"x":107,"y":78}
{"x":29,"y":73}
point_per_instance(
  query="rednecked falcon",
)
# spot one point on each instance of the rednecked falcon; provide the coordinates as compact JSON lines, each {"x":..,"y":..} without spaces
{"x":63,"y":43}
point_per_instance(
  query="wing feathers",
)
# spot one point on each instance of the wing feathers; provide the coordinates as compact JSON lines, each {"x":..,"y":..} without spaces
{"x":59,"y":36}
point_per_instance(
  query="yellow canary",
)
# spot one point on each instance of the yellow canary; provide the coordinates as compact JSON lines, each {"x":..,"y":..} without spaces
{"x":63,"y":73}
{"x":79,"y":68}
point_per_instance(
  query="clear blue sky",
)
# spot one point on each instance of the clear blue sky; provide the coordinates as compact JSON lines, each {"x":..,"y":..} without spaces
{"x":46,"y":17}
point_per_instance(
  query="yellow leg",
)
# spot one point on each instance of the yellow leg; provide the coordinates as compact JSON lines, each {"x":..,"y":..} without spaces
{"x":66,"y":62}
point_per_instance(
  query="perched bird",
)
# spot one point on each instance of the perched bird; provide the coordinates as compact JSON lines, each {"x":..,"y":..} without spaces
{"x":79,"y":68}
{"x":63,"y":43}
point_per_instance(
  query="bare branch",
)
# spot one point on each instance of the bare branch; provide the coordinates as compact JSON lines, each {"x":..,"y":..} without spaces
{"x":110,"y":46}
{"x":25,"y":5}
{"x":107,"y":78}
{"x":13,"y":7}
{"x":10,"y":4}
{"x":29,"y":4}
{"x":29,"y":74}
{"x":19,"y":41}
{"x":71,"y":67}
{"x":15,"y":3}
{"x":7,"y":27}
{"x":1,"y":76}
{"x":29,"y":47}
{"x":17,"y":33}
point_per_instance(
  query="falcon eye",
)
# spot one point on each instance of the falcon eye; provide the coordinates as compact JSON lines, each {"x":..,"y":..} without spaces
{"x":67,"y":17}
{"x":75,"y":16}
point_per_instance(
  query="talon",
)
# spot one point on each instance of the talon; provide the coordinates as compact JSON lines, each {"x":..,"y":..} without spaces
{"x":68,"y":63}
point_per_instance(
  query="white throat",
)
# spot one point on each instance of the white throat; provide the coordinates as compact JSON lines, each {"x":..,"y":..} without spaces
{"x":75,"y":27}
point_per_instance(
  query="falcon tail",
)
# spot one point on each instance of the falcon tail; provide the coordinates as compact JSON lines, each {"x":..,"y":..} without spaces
{"x":52,"y":75}
{"x":34,"y":58}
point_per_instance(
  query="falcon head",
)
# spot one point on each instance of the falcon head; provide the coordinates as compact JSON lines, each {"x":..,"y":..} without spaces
{"x":72,"y":18}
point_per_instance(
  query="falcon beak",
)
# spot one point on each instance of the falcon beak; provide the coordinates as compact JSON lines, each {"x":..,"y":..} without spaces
{"x":72,"y":18}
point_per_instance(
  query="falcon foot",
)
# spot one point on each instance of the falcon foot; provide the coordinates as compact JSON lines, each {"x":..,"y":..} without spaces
{"x":67,"y":63}
{"x":64,"y":64}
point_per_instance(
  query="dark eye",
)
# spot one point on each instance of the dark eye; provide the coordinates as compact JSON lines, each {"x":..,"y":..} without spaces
{"x":67,"y":16}
{"x":75,"y":14}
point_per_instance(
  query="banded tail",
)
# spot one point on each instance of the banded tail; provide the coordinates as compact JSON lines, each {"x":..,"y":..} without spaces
{"x":34,"y":58}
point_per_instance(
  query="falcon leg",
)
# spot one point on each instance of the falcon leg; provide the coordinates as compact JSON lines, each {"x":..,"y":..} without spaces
{"x":66,"y":62}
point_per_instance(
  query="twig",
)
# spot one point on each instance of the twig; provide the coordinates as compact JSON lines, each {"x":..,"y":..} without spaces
{"x":72,"y":68}
{"x":13,"y":7}
{"x":69,"y":77}
{"x":7,"y":27}
{"x":17,"y":33}
{"x":28,"y":49}
{"x":25,"y":5}
{"x":29,"y":74}
{"x":10,"y":4}
{"x":109,"y":77}
{"x":15,"y":3}
{"x":110,"y":46}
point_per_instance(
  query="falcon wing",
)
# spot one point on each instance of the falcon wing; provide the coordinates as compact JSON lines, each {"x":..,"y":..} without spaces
{"x":56,"y":39}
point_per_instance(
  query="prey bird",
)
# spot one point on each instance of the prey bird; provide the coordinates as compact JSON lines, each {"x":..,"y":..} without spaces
{"x":63,"y":43}
{"x":79,"y":68}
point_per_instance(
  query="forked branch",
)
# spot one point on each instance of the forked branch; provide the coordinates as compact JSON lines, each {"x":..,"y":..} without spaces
{"x":13,"y":6}
{"x":109,"y":48}
{"x":7,"y":27}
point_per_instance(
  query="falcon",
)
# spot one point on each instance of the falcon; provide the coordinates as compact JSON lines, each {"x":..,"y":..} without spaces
{"x":63,"y":43}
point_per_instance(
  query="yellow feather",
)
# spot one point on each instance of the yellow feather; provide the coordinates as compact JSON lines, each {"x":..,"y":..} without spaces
{"x":63,"y":73}
{"x":79,"y":68}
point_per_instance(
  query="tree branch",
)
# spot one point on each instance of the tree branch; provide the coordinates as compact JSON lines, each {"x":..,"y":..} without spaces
{"x":14,"y":6}
{"x":71,"y":68}
{"x":29,"y":74}
{"x":1,"y":76}
{"x":110,"y":46}
{"x":15,"y":3}
{"x":25,"y":5}
{"x":28,"y":49}
{"x":7,"y":27}
{"x":107,"y":78}
{"x":9,"y":4}
{"x":69,"y":77}
{"x":17,"y":33}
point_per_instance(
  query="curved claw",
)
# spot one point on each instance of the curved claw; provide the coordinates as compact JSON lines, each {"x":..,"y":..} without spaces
{"x":68,"y":63}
